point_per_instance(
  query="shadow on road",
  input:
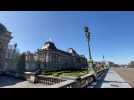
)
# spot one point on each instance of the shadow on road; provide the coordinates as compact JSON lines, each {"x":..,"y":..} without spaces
{"x":8,"y":80}
{"x":114,"y":82}
{"x":100,"y":80}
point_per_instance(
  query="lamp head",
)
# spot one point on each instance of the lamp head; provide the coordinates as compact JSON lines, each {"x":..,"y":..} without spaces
{"x":86,"y":29}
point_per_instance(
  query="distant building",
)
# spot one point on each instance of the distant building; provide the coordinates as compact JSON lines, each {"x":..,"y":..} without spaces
{"x":51,"y":58}
{"x":5,"y":37}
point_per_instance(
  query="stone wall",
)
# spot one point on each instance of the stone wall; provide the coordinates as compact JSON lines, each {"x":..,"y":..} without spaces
{"x":5,"y":37}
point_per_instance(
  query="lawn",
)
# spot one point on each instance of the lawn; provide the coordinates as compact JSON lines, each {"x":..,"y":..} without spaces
{"x":73,"y":73}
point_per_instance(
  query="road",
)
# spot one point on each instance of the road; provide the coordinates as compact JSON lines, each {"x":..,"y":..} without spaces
{"x":127,"y":74}
{"x":10,"y":82}
{"x":110,"y":80}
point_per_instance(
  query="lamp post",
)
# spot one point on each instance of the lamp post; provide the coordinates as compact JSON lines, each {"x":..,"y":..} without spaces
{"x":87,"y":35}
{"x":104,"y":62}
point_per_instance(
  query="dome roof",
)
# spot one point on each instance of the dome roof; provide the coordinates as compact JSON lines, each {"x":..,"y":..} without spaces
{"x":2,"y":28}
{"x":72,"y":51}
{"x":49,"y":45}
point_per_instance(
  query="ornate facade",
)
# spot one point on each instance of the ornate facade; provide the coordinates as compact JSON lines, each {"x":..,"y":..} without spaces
{"x":51,"y":58}
{"x":5,"y":37}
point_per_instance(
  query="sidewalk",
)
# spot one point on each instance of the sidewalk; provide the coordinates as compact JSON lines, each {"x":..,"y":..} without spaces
{"x":113,"y":80}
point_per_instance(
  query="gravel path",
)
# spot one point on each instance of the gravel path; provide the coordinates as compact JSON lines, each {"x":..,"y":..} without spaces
{"x":10,"y":82}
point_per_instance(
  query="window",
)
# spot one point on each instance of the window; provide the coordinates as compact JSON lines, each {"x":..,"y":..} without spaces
{"x":1,"y":46}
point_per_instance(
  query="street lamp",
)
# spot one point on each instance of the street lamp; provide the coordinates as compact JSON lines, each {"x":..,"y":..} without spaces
{"x":87,"y":35}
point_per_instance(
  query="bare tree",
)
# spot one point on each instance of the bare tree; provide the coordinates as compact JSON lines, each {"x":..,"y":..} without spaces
{"x":13,"y":55}
{"x":131,"y":64}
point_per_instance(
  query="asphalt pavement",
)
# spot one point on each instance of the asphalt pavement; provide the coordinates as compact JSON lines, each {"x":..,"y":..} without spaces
{"x":110,"y":79}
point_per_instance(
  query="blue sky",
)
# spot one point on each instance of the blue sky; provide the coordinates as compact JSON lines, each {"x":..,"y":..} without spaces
{"x":112,"y":31}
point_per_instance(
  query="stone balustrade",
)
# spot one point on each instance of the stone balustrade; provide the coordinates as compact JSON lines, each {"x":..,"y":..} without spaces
{"x":81,"y":82}
{"x":48,"y":80}
{"x":101,"y":71}
{"x":56,"y":82}
{"x":63,"y":82}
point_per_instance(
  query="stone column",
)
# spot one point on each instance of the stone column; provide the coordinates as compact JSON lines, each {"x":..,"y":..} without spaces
{"x":3,"y":50}
{"x":56,"y":59}
{"x":1,"y":59}
{"x":47,"y":57}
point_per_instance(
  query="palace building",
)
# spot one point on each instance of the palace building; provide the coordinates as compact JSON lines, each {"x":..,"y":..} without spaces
{"x":51,"y":58}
